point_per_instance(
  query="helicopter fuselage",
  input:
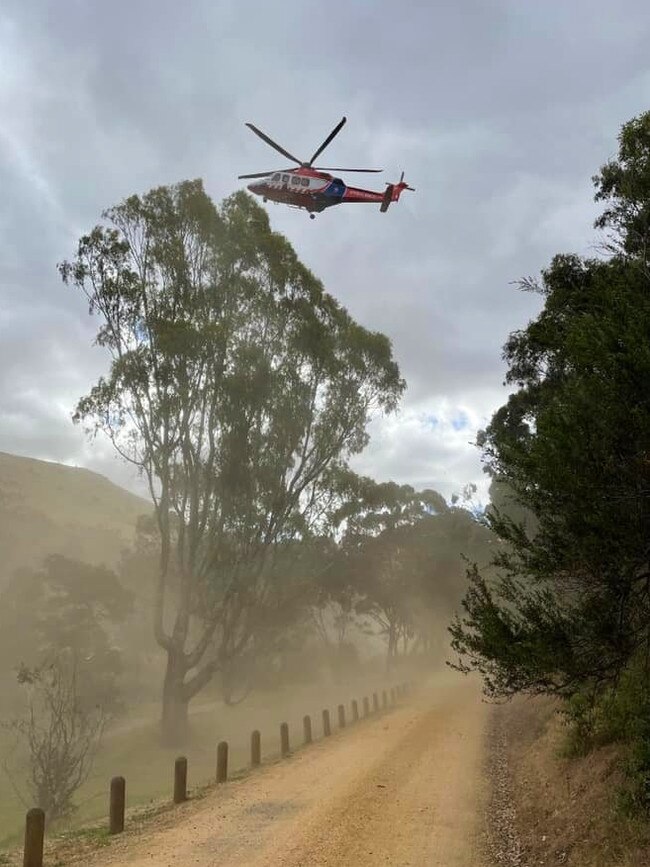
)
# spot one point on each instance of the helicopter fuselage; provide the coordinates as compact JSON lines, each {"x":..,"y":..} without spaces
{"x":309,"y":189}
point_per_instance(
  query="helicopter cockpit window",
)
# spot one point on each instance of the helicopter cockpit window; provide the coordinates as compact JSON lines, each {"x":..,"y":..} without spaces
{"x":295,"y":180}
{"x":304,"y":182}
{"x":276,"y":178}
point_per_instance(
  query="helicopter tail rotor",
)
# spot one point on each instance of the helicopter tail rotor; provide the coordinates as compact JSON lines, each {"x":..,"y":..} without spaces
{"x":393,"y":192}
{"x":403,"y":185}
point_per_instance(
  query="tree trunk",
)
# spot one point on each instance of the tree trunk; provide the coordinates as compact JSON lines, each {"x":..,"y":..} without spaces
{"x":174,"y":722}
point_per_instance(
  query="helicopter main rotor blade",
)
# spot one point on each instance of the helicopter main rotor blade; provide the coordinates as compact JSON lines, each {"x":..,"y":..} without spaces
{"x":329,"y":169}
{"x":337,"y":129}
{"x":263,"y":174}
{"x":273,"y":144}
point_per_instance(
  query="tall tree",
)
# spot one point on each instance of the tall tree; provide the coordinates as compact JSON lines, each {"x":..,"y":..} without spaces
{"x":237,"y":387}
{"x":624,"y":185}
{"x":571,"y":607}
{"x":402,"y":560}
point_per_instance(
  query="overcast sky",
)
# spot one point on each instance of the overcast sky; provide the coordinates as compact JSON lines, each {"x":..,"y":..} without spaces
{"x":499,"y":113}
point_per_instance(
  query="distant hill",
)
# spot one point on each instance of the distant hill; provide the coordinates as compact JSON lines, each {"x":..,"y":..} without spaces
{"x":48,"y":508}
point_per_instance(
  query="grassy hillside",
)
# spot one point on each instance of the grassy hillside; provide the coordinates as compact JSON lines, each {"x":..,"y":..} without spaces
{"x":48,"y":508}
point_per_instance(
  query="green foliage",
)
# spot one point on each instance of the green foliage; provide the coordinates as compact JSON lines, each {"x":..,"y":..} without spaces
{"x":634,"y":797}
{"x":624,"y":184}
{"x":582,"y":716}
{"x":572,"y":444}
{"x":619,"y":713}
{"x":625,"y":717}
{"x":570,"y":606}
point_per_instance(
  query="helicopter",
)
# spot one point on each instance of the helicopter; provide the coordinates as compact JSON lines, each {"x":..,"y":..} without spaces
{"x":312,"y":187}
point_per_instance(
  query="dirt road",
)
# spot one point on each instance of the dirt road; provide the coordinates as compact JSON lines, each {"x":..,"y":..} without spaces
{"x":401,"y":789}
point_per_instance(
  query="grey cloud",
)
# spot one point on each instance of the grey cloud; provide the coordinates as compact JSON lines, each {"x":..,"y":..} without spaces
{"x":499,"y":112}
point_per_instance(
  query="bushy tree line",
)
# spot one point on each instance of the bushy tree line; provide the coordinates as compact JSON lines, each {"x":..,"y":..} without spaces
{"x":399,"y":563}
{"x":569,"y":613}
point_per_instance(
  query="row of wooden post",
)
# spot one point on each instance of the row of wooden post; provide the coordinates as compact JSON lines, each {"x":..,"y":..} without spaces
{"x":35,"y":819}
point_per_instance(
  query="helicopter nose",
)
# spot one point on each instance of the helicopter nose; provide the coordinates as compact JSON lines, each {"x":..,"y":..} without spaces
{"x":255,"y":188}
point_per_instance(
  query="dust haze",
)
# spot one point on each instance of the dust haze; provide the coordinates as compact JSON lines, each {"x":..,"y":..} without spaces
{"x":77,"y":591}
{"x":329,"y":454}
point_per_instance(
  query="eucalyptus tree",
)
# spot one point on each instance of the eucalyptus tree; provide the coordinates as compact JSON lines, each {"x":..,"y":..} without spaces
{"x":381,"y":562}
{"x":239,"y":388}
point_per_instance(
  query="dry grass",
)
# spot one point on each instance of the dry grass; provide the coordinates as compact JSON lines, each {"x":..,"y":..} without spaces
{"x":566,"y":807}
{"x":133,"y":748}
{"x":48,"y":508}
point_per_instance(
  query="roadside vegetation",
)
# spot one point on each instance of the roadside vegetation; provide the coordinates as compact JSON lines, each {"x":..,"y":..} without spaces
{"x":566,"y":612}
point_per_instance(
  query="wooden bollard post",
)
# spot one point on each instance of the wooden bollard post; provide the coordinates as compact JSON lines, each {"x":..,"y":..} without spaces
{"x":355,"y":710}
{"x":384,"y":700}
{"x":34,"y":836}
{"x":306,"y":727}
{"x":375,"y":702}
{"x":341,"y":710}
{"x":284,"y":739}
{"x":117,"y":805}
{"x":222,"y":761}
{"x":327,"y":730}
{"x":366,"y":706}
{"x":180,"y":780}
{"x":256,"y":749}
